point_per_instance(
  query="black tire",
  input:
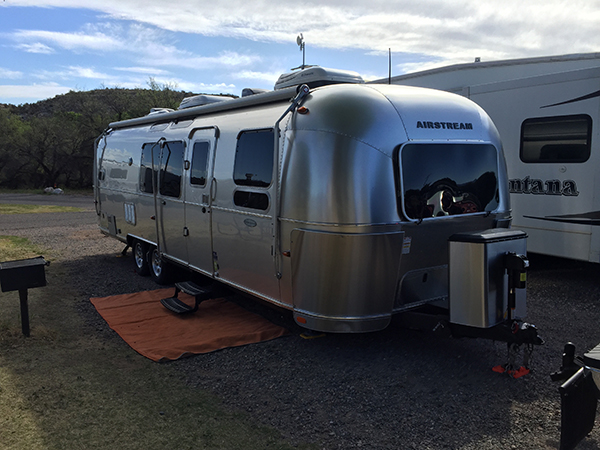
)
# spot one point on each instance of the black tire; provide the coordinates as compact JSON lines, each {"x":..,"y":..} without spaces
{"x":140,"y":258}
{"x":160,"y":270}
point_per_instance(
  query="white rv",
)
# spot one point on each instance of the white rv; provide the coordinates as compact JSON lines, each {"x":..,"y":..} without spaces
{"x":547,"y":113}
{"x":345,"y":203}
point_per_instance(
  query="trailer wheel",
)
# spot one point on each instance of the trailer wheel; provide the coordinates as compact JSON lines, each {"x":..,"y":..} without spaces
{"x":140,"y":258}
{"x":160,"y":270}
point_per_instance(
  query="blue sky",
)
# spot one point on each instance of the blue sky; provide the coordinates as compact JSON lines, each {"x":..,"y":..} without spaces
{"x":49,"y":47}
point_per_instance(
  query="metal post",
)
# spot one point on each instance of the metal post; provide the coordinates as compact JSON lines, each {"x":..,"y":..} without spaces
{"x":24,"y":312}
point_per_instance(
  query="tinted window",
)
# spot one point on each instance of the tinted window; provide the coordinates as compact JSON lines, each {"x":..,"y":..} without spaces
{"x":171,"y":169}
{"x":199,"y":163}
{"x":146,"y":166}
{"x":254,"y":158}
{"x":254,"y":200}
{"x":448,"y":179}
{"x":564,"y":139}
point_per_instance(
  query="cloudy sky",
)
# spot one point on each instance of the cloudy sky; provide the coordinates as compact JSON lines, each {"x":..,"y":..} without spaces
{"x":49,"y":47}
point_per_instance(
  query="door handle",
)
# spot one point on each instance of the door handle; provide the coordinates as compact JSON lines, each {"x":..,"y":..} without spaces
{"x":213,"y":189}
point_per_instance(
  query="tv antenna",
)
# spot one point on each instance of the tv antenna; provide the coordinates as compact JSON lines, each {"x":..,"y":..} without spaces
{"x":301,"y":44}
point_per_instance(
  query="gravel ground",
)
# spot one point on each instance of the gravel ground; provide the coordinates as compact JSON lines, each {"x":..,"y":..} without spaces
{"x":394,"y":389}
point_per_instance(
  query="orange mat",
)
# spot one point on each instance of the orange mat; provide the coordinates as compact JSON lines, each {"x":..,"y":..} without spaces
{"x":157,"y":333}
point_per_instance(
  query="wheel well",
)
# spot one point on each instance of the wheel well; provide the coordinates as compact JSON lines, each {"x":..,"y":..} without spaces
{"x":132,"y":239}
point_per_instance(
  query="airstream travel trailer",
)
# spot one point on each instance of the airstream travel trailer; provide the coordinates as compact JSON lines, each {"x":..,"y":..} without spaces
{"x":547,"y":112}
{"x":345,"y":203}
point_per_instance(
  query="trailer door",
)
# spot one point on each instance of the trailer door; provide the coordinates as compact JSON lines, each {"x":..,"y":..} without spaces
{"x":198,"y":200}
{"x":169,"y":201}
{"x":242,"y":222}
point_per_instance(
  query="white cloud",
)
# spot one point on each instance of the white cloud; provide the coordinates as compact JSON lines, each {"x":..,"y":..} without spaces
{"x":255,"y":75}
{"x":147,"y":46}
{"x":36,"y":47}
{"x":143,"y":35}
{"x":10,"y":74}
{"x":444,"y":30}
{"x":436,"y":27}
{"x":70,"y":41}
{"x":143,"y":70}
{"x":217,"y":88}
{"x":32,"y":92}
{"x":86,"y":72}
{"x":70,"y":72}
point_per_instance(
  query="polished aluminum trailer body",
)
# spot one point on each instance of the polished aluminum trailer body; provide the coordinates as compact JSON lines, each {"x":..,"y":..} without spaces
{"x":338,"y":208}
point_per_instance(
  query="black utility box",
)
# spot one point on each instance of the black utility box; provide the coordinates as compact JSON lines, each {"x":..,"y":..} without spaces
{"x":22,"y":274}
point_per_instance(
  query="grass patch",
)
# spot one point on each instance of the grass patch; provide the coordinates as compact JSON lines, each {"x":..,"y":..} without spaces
{"x":8,"y":208}
{"x":13,"y":247}
{"x":77,"y":191}
{"x":70,"y":386}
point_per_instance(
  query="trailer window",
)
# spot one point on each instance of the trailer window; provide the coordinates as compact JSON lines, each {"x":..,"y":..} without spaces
{"x":254,"y":158}
{"x":561,"y":139}
{"x":199,"y":163}
{"x":253,"y":200}
{"x":171,"y":169}
{"x":146,"y":166}
{"x":448,"y":179}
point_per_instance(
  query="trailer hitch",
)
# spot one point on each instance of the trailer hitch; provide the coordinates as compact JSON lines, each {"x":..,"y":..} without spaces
{"x":519,"y":337}
{"x":523,"y":336}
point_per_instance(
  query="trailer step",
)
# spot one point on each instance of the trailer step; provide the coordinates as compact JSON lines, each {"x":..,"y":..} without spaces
{"x":177,"y":306}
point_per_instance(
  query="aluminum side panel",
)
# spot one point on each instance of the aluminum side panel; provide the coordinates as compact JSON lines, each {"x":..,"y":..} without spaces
{"x":345,"y":276}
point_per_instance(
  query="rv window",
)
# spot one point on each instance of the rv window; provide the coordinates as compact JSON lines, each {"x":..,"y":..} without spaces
{"x":448,"y":179}
{"x":254,"y":200}
{"x":564,"y":139}
{"x":254,"y":158}
{"x":146,"y":166}
{"x":171,"y":169}
{"x":199,"y":164}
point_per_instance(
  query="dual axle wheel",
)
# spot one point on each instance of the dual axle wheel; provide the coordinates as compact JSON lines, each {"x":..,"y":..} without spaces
{"x":147,"y":261}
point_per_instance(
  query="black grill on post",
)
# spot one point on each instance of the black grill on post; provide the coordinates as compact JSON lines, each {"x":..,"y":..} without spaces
{"x":19,"y":276}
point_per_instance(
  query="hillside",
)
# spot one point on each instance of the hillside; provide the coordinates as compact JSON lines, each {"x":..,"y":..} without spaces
{"x":51,"y":142}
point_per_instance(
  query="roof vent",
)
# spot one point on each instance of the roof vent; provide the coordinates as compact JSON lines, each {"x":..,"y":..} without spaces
{"x":253,"y":91}
{"x":160,"y":110}
{"x":315,"y":76}
{"x":203,"y":99}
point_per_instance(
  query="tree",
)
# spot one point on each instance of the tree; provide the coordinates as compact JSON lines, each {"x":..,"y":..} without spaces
{"x":12,"y":138}
{"x":53,"y":149}
{"x":52,"y":141}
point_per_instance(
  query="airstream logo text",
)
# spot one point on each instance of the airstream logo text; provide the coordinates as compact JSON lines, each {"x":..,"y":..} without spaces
{"x":541,"y":187}
{"x":445,"y":125}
